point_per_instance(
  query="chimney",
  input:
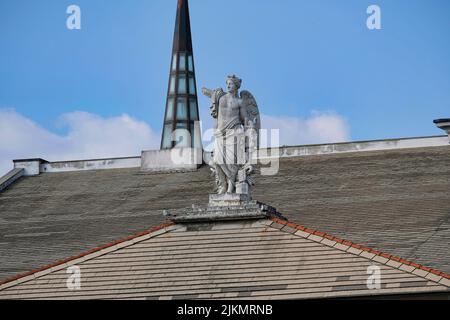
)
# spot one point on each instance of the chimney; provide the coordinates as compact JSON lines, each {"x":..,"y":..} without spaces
{"x":443,"y":124}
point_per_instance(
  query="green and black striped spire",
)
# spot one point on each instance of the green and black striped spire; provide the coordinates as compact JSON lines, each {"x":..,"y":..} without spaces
{"x":182,"y":105}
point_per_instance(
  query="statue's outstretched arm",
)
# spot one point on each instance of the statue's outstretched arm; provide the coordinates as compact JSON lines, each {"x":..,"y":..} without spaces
{"x":215,"y":96}
{"x":207,"y":92}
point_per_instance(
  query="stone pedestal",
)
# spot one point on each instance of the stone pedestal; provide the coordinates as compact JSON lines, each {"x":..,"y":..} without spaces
{"x":228,"y":199}
{"x":221,"y":208}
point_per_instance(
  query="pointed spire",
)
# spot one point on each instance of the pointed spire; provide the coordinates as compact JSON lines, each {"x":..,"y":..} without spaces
{"x":181,"y":105}
{"x":182,"y":39}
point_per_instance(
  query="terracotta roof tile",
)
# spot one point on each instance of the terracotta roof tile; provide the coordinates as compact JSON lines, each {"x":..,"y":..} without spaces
{"x":93,"y":250}
{"x":376,"y":252}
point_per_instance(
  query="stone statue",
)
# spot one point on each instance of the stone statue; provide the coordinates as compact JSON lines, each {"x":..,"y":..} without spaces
{"x":237,"y":124}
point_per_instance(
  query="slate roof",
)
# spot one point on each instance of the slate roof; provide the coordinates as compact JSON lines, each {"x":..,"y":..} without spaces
{"x":262,"y":259}
{"x":394,"y":201}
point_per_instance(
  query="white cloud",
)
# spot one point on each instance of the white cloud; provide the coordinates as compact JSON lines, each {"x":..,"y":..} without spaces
{"x":320,"y":127}
{"x":91,"y":136}
{"x":88,"y":136}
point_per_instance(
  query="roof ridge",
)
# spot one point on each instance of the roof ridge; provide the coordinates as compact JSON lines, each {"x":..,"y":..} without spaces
{"x":365,"y":252}
{"x":97,"y":251}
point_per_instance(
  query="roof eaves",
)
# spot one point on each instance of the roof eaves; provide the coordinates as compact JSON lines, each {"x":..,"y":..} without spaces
{"x":365,"y":252}
{"x":95,"y":252}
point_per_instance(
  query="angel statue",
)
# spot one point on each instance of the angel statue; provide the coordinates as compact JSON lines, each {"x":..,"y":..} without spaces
{"x":237,"y":123}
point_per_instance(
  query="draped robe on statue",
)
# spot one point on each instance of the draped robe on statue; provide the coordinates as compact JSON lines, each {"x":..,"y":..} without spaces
{"x":236,"y":118}
{"x":227,"y":148}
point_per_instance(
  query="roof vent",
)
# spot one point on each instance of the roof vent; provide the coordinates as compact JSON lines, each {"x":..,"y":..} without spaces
{"x":443,"y":124}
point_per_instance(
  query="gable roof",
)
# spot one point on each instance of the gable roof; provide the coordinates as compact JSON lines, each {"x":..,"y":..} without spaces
{"x":395,"y":201}
{"x":263,"y":259}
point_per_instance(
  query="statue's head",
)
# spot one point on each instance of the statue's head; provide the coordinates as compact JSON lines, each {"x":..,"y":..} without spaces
{"x":233,"y":83}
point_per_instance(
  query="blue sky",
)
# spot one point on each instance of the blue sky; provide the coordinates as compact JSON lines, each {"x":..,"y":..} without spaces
{"x":299,"y":58}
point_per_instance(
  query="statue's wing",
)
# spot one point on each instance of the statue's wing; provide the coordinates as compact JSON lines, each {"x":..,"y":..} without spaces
{"x":252,"y":109}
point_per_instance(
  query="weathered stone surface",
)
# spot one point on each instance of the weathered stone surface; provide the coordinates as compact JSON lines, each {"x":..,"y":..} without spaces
{"x":31,"y":167}
{"x":230,"y":207}
{"x":228,"y":199}
{"x":176,"y":159}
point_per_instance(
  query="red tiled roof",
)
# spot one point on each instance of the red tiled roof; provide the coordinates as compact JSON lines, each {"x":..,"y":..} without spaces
{"x":357,"y":246}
